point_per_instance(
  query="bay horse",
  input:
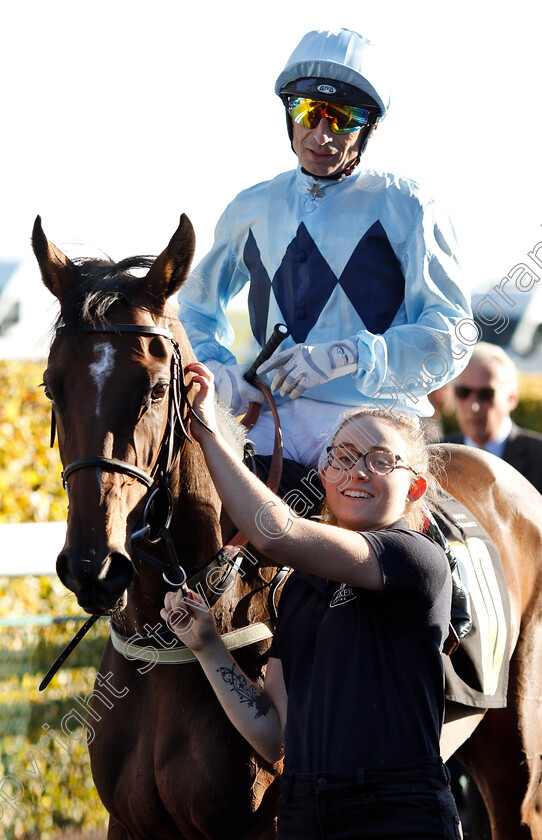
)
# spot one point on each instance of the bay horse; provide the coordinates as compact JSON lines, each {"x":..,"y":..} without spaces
{"x":166,"y":762}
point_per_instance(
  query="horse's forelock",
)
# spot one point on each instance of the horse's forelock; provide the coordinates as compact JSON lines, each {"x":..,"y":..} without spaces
{"x":102,"y":283}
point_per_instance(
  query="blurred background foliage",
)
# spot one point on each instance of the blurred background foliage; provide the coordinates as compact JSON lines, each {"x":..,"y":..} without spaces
{"x":31,"y":491}
{"x":66,"y":798}
{"x":30,"y":485}
{"x":529,"y":411}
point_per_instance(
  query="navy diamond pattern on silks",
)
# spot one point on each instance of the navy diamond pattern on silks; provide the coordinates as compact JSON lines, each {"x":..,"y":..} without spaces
{"x":304,"y":282}
{"x":258,"y":293}
{"x":373,"y":280}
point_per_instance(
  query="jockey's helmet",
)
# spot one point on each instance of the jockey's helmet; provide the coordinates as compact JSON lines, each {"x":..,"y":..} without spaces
{"x":336,"y":66}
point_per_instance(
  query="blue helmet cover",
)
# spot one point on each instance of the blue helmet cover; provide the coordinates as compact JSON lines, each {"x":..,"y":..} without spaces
{"x":341,"y":55}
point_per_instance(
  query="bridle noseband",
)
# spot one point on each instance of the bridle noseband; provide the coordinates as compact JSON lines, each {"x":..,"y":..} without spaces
{"x":108,"y":465}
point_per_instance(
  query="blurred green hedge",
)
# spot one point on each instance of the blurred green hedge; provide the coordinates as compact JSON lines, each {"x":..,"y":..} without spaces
{"x":66,"y":798}
{"x":529,"y":411}
{"x":31,"y":491}
{"x":30,"y":485}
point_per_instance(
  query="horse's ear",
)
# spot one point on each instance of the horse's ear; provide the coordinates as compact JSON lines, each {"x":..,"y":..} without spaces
{"x":170,"y":269}
{"x":57,"y":270}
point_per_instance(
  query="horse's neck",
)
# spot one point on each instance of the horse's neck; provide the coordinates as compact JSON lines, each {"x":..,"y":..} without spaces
{"x":195,"y":526}
{"x":202,"y":527}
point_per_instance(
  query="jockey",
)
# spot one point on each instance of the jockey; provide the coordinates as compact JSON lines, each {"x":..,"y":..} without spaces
{"x":360,"y":265}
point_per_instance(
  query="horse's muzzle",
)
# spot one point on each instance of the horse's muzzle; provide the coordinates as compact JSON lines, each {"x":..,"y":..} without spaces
{"x":99,"y":584}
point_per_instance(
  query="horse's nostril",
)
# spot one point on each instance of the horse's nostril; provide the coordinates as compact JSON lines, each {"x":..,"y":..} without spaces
{"x":98,"y":585}
{"x":63,"y":571}
{"x":120,"y":572}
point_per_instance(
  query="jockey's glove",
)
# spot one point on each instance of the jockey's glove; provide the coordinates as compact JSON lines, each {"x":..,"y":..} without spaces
{"x":232,"y":388}
{"x":304,"y":366}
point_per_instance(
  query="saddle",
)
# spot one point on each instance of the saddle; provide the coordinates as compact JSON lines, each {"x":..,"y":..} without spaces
{"x":477,"y":671}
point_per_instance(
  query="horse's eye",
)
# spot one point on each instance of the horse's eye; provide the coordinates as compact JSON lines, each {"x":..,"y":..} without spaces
{"x":46,"y":391}
{"x":159,"y":392}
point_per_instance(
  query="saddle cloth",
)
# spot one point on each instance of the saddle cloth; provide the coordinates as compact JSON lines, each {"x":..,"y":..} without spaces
{"x":477,"y":673}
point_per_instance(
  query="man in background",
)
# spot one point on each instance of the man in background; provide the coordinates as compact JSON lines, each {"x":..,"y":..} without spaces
{"x":485,"y":394}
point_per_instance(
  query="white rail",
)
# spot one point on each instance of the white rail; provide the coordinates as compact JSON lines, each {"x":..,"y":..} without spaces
{"x":30,"y":548}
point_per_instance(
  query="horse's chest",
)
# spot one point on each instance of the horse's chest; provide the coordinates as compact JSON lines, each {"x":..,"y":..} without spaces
{"x":171,"y":755}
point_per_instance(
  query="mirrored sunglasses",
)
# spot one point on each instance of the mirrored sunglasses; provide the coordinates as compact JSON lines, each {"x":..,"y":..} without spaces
{"x":463,"y":392}
{"x":342,"y":118}
{"x":377,"y":461}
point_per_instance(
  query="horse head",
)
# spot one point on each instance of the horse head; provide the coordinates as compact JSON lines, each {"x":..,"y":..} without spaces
{"x":115,"y":378}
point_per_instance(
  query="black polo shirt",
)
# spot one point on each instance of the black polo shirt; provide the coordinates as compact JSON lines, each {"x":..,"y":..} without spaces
{"x":363,"y":669}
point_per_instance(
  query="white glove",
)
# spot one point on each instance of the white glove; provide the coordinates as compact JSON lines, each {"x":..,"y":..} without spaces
{"x":232,"y":388}
{"x":304,"y":366}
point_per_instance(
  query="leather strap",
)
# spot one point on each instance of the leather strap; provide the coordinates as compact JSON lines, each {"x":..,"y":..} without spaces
{"x":233,"y":640}
{"x":275,"y":469}
{"x":107,"y":465}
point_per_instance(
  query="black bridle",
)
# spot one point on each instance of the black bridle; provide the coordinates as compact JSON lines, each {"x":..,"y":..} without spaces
{"x":158,"y":480}
{"x":178,"y":400}
{"x":226,"y":562}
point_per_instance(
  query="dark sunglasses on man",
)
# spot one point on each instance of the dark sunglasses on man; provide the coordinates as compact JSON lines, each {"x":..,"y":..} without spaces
{"x":463,"y":392}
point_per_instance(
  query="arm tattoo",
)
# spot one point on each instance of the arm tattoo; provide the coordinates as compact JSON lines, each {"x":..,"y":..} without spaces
{"x":246,"y":692}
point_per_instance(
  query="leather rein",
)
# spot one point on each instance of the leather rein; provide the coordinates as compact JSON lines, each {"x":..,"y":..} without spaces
{"x":226,"y":562}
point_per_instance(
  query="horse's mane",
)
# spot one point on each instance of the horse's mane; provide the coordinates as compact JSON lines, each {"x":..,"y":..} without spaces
{"x":103,"y":283}
{"x":234,"y":431}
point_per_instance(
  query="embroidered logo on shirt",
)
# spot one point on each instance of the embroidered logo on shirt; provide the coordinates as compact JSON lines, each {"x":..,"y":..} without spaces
{"x":343,"y":595}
